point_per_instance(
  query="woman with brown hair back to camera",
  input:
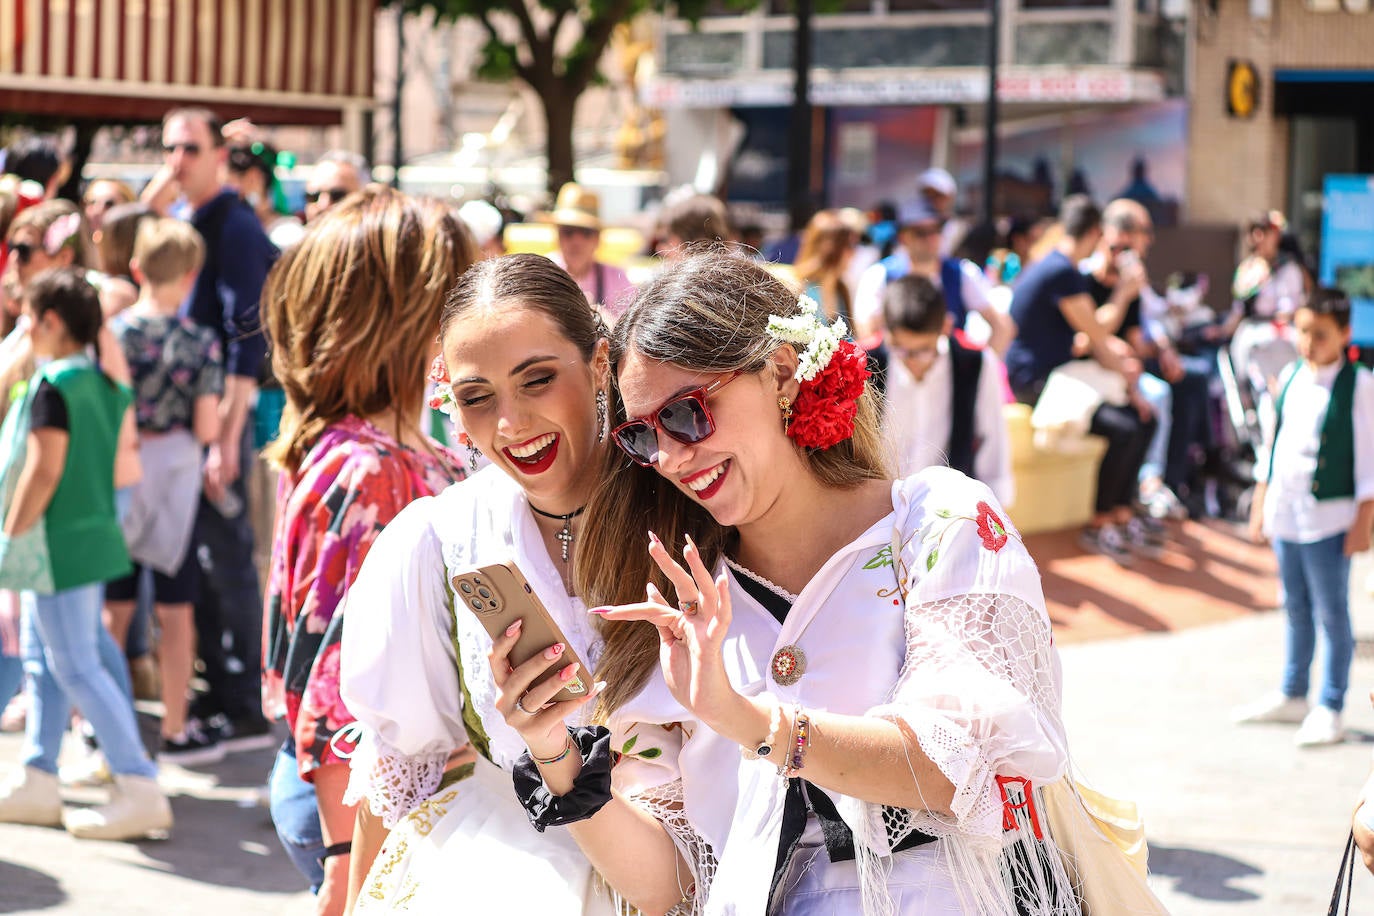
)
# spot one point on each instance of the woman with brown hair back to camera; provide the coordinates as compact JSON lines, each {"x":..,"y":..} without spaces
{"x":351,"y":312}
{"x":826,"y":248}
{"x":526,"y":356}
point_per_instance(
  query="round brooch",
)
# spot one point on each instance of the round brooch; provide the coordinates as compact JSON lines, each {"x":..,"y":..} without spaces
{"x":789,"y":664}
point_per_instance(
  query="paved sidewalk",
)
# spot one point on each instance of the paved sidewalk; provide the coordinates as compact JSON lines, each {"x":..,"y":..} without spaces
{"x":223,"y":857}
{"x":1239,"y":820}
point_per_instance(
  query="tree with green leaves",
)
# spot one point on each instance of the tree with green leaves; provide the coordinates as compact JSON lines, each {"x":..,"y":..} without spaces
{"x":559,"y":79}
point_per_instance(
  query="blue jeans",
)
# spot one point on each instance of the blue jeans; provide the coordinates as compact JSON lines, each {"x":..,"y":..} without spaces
{"x":71,"y":660}
{"x":296,"y":816}
{"x":1160,"y":396}
{"x":1316,"y":582}
{"x":11,"y":676}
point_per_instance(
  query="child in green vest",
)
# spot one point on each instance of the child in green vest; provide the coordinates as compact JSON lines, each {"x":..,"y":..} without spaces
{"x":74,"y":412}
{"x":1315,"y":501}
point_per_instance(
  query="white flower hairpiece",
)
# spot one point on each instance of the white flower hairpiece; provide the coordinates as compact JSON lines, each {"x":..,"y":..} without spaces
{"x":62,"y":231}
{"x":816,"y":339}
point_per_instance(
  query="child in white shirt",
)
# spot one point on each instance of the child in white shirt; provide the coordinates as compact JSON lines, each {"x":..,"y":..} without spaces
{"x":1315,"y":501}
{"x":944,"y":399}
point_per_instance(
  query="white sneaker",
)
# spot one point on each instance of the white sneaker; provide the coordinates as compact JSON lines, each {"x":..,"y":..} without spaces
{"x":32,"y":798}
{"x":138,"y":808}
{"x":90,"y":769}
{"x":1273,"y":708}
{"x":1322,"y":726}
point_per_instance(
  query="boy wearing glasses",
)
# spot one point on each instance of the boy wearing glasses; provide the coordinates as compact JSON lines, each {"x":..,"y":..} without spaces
{"x":577,"y":215}
{"x":944,"y":399}
{"x":964,"y":287}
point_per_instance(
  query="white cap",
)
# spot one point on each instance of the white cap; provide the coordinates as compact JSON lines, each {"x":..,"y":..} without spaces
{"x":482,"y":219}
{"x":938,"y":180}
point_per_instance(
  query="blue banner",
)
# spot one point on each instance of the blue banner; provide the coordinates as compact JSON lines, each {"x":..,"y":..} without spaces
{"x":1348,"y":246}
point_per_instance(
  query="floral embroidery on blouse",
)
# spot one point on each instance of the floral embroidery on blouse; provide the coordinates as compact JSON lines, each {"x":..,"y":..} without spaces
{"x":353,"y":481}
{"x":992,"y":530}
{"x":631,"y":746}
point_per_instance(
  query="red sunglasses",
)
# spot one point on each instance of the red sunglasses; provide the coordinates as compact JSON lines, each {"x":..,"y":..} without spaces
{"x":686,"y":418}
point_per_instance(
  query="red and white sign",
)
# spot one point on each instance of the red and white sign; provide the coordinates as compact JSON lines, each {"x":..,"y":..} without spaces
{"x":911,"y":87}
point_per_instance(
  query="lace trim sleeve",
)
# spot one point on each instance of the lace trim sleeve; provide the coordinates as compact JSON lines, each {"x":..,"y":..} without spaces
{"x":393,"y":784}
{"x":979,"y":691}
{"x":665,"y":803}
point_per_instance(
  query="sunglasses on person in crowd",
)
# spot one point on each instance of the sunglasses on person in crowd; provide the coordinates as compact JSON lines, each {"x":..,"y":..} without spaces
{"x":104,"y":203}
{"x":686,"y":418}
{"x":191,"y":149}
{"x":332,"y":193}
{"x":576,"y":231}
{"x":23,"y":251}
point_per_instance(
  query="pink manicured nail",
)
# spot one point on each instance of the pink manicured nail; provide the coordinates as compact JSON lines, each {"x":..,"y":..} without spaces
{"x":567,"y":673}
{"x":598,"y":610}
{"x":554,"y":650}
{"x":690,"y":543}
{"x":513,"y":628}
{"x":654,"y":541}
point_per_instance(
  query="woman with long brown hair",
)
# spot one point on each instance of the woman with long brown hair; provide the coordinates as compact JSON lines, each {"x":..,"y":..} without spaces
{"x":881,"y":645}
{"x":351,"y":312}
{"x":525,"y":374}
{"x":827,"y":246}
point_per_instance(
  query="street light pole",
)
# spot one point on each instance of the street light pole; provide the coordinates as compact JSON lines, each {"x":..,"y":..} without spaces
{"x":799,"y":147}
{"x":990,"y":119}
{"x":396,"y":152}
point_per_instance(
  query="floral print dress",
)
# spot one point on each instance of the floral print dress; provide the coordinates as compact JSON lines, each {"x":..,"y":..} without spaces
{"x":354,"y":480}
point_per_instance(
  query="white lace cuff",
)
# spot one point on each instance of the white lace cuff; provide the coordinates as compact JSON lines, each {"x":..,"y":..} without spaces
{"x":665,"y":803}
{"x":394,"y":784}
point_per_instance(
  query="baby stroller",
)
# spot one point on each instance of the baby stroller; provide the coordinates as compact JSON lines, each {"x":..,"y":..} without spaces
{"x":1248,"y":370}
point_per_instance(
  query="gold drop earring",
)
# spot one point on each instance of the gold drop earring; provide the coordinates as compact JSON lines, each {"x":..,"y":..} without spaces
{"x":785,"y":405}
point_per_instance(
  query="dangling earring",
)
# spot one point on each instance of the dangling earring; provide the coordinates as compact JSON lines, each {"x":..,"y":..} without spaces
{"x":601,"y":416}
{"x":473,"y":452}
{"x":785,"y":405}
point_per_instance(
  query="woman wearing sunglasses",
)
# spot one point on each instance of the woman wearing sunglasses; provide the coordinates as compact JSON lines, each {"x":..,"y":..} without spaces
{"x":527,"y":379}
{"x":868,"y":661}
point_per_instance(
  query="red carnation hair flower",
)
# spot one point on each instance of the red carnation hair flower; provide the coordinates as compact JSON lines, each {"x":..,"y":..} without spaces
{"x":823,"y":415}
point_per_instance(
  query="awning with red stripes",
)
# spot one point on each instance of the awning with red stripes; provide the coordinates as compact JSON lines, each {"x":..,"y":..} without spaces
{"x":276,"y":61}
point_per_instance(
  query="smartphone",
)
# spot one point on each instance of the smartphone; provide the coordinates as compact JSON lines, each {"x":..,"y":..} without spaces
{"x":499,"y":596}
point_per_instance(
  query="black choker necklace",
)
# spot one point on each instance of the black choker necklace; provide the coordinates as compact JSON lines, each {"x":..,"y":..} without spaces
{"x":566,"y":535}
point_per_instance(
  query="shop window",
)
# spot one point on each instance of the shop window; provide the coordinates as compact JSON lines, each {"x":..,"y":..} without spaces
{"x":703,"y":53}
{"x":934,"y":6}
{"x":1063,"y":43}
{"x":788,"y":7}
{"x":1065,"y":4}
{"x":925,"y":46}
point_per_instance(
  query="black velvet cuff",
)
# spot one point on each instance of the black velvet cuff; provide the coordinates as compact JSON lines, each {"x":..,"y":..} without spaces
{"x":590,"y":792}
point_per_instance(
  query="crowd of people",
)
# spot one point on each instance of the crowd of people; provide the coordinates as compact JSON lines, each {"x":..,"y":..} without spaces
{"x":768,"y":639}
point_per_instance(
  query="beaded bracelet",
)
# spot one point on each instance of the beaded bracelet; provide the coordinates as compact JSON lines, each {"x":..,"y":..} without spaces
{"x":567,"y":749}
{"x":801,"y":739}
{"x":765,"y":747}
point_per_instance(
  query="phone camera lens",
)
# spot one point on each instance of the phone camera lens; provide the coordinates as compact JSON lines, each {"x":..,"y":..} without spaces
{"x":484,"y":592}
{"x":492,"y":605}
{"x":467,"y":589}
{"x":476,"y":604}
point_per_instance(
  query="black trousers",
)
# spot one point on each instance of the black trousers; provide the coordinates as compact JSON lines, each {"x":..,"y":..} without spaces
{"x":229,"y":610}
{"x":1128,"y":439}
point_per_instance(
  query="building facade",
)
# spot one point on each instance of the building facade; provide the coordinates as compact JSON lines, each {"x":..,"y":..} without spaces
{"x":1282,"y":95}
{"x":899,"y":85}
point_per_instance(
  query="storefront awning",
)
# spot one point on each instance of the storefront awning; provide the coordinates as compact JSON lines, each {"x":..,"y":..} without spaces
{"x":276,"y":61}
